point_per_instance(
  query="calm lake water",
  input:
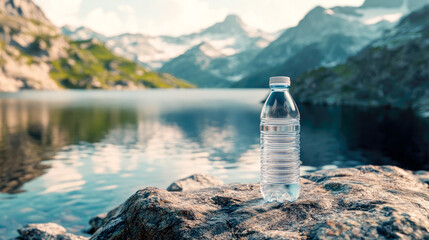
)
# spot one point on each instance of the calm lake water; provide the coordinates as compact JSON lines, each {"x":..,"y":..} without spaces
{"x":70,"y":155}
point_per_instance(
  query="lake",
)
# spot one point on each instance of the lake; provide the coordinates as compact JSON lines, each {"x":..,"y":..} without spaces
{"x":67,"y":156}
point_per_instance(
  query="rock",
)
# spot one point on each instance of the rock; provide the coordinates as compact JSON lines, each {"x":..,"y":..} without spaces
{"x":191,"y":183}
{"x":398,"y":57}
{"x":195,"y":182}
{"x":46,"y":231}
{"x":99,"y":220}
{"x":35,"y":55}
{"x":23,"y":8}
{"x":27,"y":47}
{"x":422,"y":175}
{"x":375,"y":202}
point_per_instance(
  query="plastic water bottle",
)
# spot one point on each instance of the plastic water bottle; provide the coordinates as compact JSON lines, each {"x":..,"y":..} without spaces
{"x":280,"y":160}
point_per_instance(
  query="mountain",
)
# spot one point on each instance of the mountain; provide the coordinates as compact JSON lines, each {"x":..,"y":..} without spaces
{"x":193,"y":65}
{"x":393,"y":71}
{"x":326,"y":37}
{"x":23,"y":8}
{"x":149,"y":51}
{"x":89,"y":64}
{"x":235,"y":41}
{"x":35,"y":55}
{"x":27,"y":42}
{"x":221,"y":56}
{"x":82,"y":33}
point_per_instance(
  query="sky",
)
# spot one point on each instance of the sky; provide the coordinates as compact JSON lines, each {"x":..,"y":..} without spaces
{"x":176,"y":17}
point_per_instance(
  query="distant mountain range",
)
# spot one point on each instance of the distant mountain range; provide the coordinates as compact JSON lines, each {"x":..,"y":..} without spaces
{"x":393,"y":71}
{"x":209,"y":58}
{"x":35,"y":55}
{"x":326,"y":37}
{"x":230,"y":53}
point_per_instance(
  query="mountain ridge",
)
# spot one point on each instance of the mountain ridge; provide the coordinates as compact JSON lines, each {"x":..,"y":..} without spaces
{"x":393,"y":71}
{"x":23,"y":8}
{"x":236,"y":42}
{"x":35,"y":55}
{"x":331,"y":34}
{"x":349,"y":29}
{"x":196,"y":59}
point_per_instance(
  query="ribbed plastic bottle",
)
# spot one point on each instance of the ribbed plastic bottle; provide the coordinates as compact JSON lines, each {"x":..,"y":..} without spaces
{"x":280,"y":132}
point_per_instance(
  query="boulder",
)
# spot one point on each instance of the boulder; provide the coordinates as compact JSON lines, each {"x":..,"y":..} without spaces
{"x":46,"y":231}
{"x":99,"y":220}
{"x":195,"y":182}
{"x":367,"y":202}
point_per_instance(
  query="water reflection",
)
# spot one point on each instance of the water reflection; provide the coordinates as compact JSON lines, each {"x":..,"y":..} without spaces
{"x":32,"y":131}
{"x":25,"y":139}
{"x":365,"y":136}
{"x":81,"y":153}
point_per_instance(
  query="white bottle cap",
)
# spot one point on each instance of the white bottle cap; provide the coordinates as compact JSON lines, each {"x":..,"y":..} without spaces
{"x":280,"y":80}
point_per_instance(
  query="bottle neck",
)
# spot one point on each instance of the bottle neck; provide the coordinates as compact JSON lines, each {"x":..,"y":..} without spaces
{"x":279,"y":87}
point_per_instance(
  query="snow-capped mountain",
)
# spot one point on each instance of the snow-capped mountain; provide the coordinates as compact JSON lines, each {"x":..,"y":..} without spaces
{"x":82,"y":33}
{"x":327,"y":37}
{"x":151,"y":51}
{"x":196,"y":64}
{"x":222,"y":52}
{"x":229,"y":37}
{"x":392,"y":71}
{"x":230,"y":50}
{"x":233,"y":45}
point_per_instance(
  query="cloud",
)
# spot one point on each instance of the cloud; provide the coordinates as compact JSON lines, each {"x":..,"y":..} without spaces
{"x":126,"y":9}
{"x":273,"y":15}
{"x":106,"y":22}
{"x":176,"y":17}
{"x":61,"y":12}
{"x":171,"y":17}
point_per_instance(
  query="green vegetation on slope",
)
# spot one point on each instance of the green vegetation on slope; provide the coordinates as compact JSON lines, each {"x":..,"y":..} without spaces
{"x":2,"y":47}
{"x":91,"y":65}
{"x":38,"y":56}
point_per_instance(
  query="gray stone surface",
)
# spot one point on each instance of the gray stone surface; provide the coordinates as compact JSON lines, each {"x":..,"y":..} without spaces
{"x":99,"y":220}
{"x":46,"y":231}
{"x":194,"y":182}
{"x":191,"y":183}
{"x":422,"y":175}
{"x":368,"y":202}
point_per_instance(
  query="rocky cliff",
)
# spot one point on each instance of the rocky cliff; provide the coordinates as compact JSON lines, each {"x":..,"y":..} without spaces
{"x":35,"y":55}
{"x":393,"y":71}
{"x":326,"y":37}
{"x":28,"y":41}
{"x":367,"y":202}
{"x":23,"y":8}
{"x":212,"y":57}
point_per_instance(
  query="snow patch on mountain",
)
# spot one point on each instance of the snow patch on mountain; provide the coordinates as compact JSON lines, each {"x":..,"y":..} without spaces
{"x":81,"y":33}
{"x":388,"y":17}
{"x":228,"y":38}
{"x":358,"y":26}
{"x":326,"y":37}
{"x":210,"y":51}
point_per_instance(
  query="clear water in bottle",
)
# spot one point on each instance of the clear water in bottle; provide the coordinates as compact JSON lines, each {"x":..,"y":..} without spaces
{"x":280,"y":150}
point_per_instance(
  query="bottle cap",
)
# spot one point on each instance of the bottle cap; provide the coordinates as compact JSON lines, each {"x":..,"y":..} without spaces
{"x":280,"y":80}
